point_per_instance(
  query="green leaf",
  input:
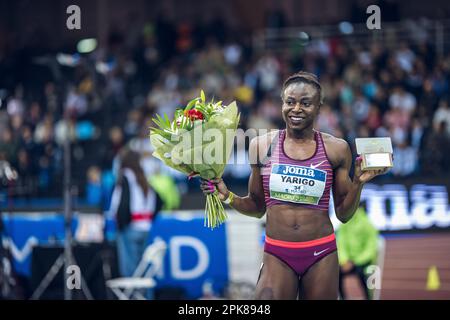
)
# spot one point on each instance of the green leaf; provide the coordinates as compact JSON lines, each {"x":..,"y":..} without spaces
{"x":200,"y":108}
{"x":160,"y":132}
{"x":167,"y":120}
{"x":178,"y":113}
{"x":160,"y":122}
{"x":202,"y":95}
{"x":191,"y":104}
{"x":156,"y":121}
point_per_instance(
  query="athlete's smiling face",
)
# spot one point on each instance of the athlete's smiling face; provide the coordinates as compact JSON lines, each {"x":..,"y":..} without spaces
{"x":301,"y":104}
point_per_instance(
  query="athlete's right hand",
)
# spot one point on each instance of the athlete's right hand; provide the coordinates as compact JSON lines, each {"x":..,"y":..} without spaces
{"x":209,"y":186}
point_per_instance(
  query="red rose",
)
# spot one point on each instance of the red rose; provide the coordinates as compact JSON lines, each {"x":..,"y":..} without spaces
{"x":194,"y":114}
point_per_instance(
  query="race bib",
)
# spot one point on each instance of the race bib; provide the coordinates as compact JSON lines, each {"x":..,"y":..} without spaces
{"x":297,"y":184}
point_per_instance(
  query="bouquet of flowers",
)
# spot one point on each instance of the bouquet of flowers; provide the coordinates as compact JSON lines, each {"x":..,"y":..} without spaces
{"x":198,"y":142}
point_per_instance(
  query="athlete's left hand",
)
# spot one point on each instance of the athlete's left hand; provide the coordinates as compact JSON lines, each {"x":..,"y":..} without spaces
{"x":365,"y":176}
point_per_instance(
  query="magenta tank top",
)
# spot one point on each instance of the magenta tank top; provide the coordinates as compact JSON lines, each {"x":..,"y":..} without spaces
{"x":306,"y":183}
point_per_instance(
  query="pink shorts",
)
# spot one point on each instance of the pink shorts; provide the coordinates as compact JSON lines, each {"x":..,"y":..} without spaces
{"x":300,"y":256}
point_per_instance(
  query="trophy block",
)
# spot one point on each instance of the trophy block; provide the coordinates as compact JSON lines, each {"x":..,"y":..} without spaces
{"x":376,"y":153}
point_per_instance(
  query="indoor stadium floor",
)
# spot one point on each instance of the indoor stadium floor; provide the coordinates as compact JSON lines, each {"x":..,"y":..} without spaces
{"x":409,"y":271}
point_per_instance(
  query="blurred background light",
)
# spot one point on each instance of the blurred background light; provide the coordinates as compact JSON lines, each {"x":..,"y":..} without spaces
{"x":87,"y":45}
{"x":346,"y":27}
{"x":69,"y":60}
{"x":304,"y":38}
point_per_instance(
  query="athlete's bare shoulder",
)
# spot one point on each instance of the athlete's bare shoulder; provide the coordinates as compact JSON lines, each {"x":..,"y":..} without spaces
{"x":337,"y":149}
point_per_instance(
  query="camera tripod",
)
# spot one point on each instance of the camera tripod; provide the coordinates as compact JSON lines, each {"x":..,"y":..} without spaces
{"x":66,"y":259}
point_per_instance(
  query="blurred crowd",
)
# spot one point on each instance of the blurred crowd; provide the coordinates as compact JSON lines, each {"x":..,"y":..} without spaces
{"x":104,"y":100}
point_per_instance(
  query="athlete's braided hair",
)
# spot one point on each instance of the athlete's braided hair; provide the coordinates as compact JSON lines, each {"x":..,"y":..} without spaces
{"x":305,"y":77}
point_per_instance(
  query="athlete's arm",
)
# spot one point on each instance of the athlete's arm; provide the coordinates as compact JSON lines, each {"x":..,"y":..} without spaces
{"x":347,"y":191}
{"x":253,"y":204}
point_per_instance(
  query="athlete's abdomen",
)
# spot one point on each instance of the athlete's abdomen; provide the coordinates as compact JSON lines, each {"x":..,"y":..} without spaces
{"x":297,"y":224}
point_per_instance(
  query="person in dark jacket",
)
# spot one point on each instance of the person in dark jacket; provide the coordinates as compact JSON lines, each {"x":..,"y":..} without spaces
{"x":136,"y":205}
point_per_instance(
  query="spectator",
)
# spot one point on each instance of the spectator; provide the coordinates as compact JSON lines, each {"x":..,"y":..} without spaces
{"x":26,"y":140}
{"x":360,"y":107}
{"x":398,"y":124}
{"x":238,"y":167}
{"x":402,"y":100}
{"x":417,"y":132}
{"x":51,"y":99}
{"x":257,"y":121}
{"x":405,"y":160}
{"x":165,"y":186}
{"x":15,"y":105}
{"x":405,"y":57}
{"x":94,"y":186}
{"x":232,"y":53}
{"x":373,"y":89}
{"x":44,"y":129}
{"x":428,"y":97}
{"x":76,"y":103}
{"x":268,"y":68}
{"x":26,"y":173}
{"x":8,"y":146}
{"x":275,"y":17}
{"x":442,"y":114}
{"x":328,"y":120}
{"x":113,"y":146}
{"x":357,"y":243}
{"x":16,"y":125}
{"x":141,"y":144}
{"x":133,"y":124}
{"x":436,"y":159}
{"x":373,"y":120}
{"x":35,"y":115}
{"x":270,"y":110}
{"x":135,"y":205}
